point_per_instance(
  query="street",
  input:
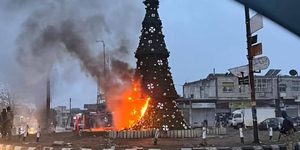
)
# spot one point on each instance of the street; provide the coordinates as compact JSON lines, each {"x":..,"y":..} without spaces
{"x":232,"y":139}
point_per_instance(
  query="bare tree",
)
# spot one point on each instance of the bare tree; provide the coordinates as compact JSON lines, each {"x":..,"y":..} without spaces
{"x":7,"y":98}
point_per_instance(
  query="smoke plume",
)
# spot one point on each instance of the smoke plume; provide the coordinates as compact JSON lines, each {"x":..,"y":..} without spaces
{"x":64,"y":32}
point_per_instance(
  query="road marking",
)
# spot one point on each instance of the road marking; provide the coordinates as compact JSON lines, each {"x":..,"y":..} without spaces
{"x":7,"y":147}
{"x":257,"y":147}
{"x":275,"y":147}
{"x":17,"y":148}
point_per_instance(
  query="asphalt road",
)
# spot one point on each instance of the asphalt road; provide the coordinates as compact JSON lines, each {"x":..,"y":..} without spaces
{"x":232,"y":139}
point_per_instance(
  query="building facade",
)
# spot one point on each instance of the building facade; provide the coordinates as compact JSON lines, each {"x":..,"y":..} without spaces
{"x":63,"y":115}
{"x":222,"y":93}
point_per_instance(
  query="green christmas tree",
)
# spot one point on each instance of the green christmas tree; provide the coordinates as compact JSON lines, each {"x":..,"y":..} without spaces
{"x":154,"y":75}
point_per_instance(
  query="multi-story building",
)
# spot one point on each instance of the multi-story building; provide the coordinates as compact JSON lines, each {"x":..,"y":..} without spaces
{"x":222,"y":93}
{"x":63,"y":115}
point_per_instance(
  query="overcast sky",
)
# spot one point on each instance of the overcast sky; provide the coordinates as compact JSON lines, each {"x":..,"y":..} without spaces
{"x":200,"y":34}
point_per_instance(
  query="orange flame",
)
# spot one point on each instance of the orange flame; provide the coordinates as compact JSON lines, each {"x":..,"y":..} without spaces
{"x":144,"y":108}
{"x":130,"y":109}
{"x":138,"y":116}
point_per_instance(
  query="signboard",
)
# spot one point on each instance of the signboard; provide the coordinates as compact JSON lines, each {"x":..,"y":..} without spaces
{"x":260,"y":63}
{"x":297,"y":100}
{"x":282,"y":94}
{"x":237,"y":71}
{"x":253,"y":103}
{"x":256,"y":49}
{"x":254,"y":39}
{"x":203,"y":105}
{"x":239,"y":105}
{"x":256,"y":23}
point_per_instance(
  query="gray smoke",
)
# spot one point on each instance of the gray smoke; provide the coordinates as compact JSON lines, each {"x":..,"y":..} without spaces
{"x":65,"y":32}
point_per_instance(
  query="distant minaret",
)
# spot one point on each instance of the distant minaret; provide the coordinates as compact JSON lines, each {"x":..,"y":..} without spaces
{"x":48,"y":100}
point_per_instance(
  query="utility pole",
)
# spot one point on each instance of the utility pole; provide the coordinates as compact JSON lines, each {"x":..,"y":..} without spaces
{"x":48,"y":103}
{"x":104,"y":70}
{"x":277,"y":102}
{"x":251,"y":76}
{"x":71,"y":122}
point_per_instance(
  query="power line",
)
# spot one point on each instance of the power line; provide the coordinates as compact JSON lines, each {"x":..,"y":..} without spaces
{"x":60,"y":102}
{"x":73,"y":99}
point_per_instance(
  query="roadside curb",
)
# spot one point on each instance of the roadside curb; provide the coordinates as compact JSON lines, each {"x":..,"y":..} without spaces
{"x":262,"y":147}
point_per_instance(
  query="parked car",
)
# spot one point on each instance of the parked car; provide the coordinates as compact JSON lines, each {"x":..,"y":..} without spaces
{"x":271,"y":122}
{"x":243,"y":117}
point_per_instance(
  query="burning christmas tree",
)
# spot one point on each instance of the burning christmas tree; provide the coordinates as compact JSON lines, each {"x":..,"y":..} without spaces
{"x":154,"y":77}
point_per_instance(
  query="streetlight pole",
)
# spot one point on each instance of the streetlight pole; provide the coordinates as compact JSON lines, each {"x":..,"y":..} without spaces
{"x":104,"y":67}
{"x":251,"y":76}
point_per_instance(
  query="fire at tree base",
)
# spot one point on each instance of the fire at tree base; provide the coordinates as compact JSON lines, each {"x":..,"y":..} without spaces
{"x":163,"y":115}
{"x":150,"y":104}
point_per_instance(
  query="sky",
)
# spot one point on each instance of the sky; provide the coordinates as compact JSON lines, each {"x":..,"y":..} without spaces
{"x":201,"y":35}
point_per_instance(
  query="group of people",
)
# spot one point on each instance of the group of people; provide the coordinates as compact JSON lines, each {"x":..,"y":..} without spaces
{"x":6,"y":122}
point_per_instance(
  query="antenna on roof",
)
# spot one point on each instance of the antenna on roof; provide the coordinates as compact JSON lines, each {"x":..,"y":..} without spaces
{"x":214,"y":71}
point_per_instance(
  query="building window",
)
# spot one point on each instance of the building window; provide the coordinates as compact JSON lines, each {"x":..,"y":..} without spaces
{"x":282,"y":88}
{"x":263,"y":85}
{"x":228,"y":86}
{"x":295,"y":86}
{"x":242,"y":89}
{"x":192,"y":96}
{"x":295,"y":89}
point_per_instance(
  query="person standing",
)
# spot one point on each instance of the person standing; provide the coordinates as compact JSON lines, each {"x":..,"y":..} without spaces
{"x":4,"y":118}
{"x":288,"y":130}
{"x":1,"y":124}
{"x":9,"y":123}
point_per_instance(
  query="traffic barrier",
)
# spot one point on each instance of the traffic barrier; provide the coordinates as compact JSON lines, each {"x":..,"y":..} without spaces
{"x":242,"y":135}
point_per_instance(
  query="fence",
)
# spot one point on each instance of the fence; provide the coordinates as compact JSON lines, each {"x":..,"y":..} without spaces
{"x":165,"y":134}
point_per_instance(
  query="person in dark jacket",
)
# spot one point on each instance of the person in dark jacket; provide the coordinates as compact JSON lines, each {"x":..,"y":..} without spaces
{"x":289,"y":130}
{"x":1,"y":123}
{"x":9,"y":123}
{"x":4,"y":118}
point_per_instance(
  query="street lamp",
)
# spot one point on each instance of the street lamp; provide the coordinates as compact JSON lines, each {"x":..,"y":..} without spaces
{"x":104,"y":68}
{"x":279,"y":98}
